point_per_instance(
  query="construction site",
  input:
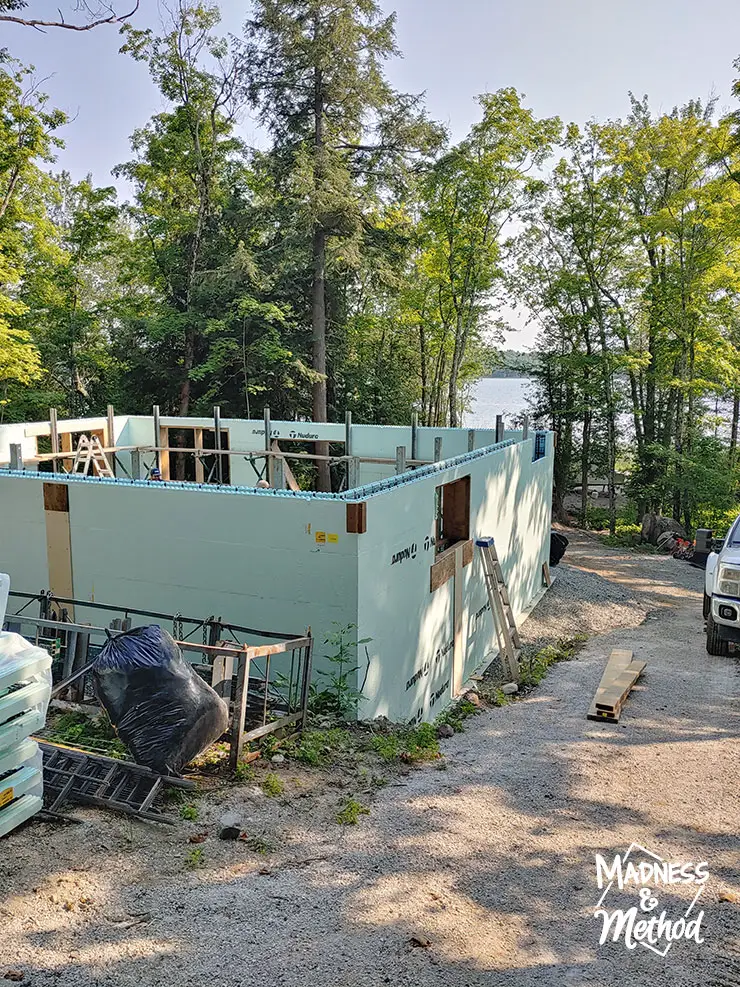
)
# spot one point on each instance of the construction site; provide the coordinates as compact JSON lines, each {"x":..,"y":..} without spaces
{"x":389,"y":557}
{"x":235,"y":708}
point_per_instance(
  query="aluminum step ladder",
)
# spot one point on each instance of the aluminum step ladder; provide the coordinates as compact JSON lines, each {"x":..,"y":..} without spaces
{"x":509,"y":642}
{"x":89,"y":454}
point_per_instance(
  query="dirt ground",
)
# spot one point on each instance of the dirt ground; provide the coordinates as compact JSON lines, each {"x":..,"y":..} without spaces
{"x":478,"y":874}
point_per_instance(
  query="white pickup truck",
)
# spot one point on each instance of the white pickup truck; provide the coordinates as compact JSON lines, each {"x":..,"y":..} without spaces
{"x":722,"y":594}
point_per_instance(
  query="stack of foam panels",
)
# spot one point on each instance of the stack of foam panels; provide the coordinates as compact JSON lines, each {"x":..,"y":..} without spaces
{"x":25,"y":690}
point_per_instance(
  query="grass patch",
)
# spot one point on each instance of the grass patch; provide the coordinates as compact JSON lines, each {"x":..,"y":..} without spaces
{"x":535,"y":668}
{"x":260,"y":844}
{"x":272,"y":786}
{"x":412,"y":745}
{"x":189,"y":812}
{"x":94,"y":733}
{"x":318,"y":747}
{"x":349,"y":814}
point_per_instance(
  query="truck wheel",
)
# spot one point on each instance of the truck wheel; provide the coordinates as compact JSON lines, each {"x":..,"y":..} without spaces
{"x":715,"y":644}
{"x":706,"y":606}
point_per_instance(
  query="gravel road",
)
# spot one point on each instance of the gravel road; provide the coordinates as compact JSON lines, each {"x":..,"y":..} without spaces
{"x":480,"y":874}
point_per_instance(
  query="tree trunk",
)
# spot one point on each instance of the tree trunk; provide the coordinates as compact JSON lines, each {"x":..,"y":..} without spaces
{"x":733,"y":429}
{"x":187,"y":365}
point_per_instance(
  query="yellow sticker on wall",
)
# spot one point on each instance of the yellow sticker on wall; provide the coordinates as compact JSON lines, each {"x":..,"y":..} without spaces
{"x":320,"y":537}
{"x":6,"y":796}
{"x":332,"y":538}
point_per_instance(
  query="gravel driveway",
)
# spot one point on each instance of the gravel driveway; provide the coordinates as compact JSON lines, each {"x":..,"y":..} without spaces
{"x":480,"y":874}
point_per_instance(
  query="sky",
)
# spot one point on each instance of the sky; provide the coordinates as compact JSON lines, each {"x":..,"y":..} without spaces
{"x":576,"y":59}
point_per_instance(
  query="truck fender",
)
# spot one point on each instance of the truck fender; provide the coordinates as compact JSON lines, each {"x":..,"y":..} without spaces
{"x":710,"y":573}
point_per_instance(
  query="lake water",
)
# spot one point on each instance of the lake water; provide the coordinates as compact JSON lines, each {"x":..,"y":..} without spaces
{"x":493,"y":396}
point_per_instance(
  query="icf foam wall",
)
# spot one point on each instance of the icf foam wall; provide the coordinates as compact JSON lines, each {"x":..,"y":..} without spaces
{"x":412,"y":628}
{"x":281,"y":562}
{"x":265,"y":560}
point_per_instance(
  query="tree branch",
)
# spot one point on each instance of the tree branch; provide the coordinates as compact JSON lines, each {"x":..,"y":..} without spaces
{"x":39,"y":25}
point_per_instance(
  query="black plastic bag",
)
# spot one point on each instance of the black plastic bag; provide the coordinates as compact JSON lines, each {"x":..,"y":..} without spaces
{"x":558,"y":545}
{"x":161,"y":708}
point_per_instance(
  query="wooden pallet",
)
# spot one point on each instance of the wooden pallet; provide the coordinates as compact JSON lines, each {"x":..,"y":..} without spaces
{"x":619,"y":677}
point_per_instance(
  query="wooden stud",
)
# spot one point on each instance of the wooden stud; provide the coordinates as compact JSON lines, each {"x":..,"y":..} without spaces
{"x":458,"y":646}
{"x":16,"y":456}
{"x":499,"y":428}
{"x":525,"y":427}
{"x":110,"y":437}
{"x":217,"y":444}
{"x":157,"y":436}
{"x":414,"y":435}
{"x":471,"y":439}
{"x":438,"y":449}
{"x":546,"y":577}
{"x":357,"y":518}
{"x":400,"y":459}
{"x":54,"y":433}
{"x":268,"y":445}
{"x":240,"y":711}
{"x":200,"y":476}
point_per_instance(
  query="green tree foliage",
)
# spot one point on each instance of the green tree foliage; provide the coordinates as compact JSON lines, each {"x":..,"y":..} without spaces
{"x":359,"y":262}
{"x":27,"y":136}
{"x":343,"y":139}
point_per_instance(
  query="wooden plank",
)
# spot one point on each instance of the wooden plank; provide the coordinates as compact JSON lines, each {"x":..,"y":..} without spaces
{"x":612,"y":696}
{"x":59,"y":555}
{"x":56,"y":497}
{"x":163,"y":456}
{"x":546,"y":577}
{"x":240,"y":712}
{"x":617,"y":681}
{"x":458,"y":647}
{"x":199,"y":475}
{"x":357,"y":518}
{"x":443,"y":568}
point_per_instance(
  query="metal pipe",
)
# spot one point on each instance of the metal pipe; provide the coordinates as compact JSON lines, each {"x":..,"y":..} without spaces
{"x":348,"y":434}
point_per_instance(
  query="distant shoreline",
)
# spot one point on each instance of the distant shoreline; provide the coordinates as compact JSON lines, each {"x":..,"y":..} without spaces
{"x":505,"y":373}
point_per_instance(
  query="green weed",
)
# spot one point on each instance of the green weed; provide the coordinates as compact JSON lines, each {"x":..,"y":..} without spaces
{"x":455,"y":715}
{"x":195,"y":858}
{"x":534,"y":669}
{"x":244,"y":772}
{"x":260,"y":844}
{"x":188,"y":812}
{"x":272,"y":786}
{"x":413,"y":744}
{"x":93,"y":733}
{"x":349,"y":814}
{"x":317,"y":747}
